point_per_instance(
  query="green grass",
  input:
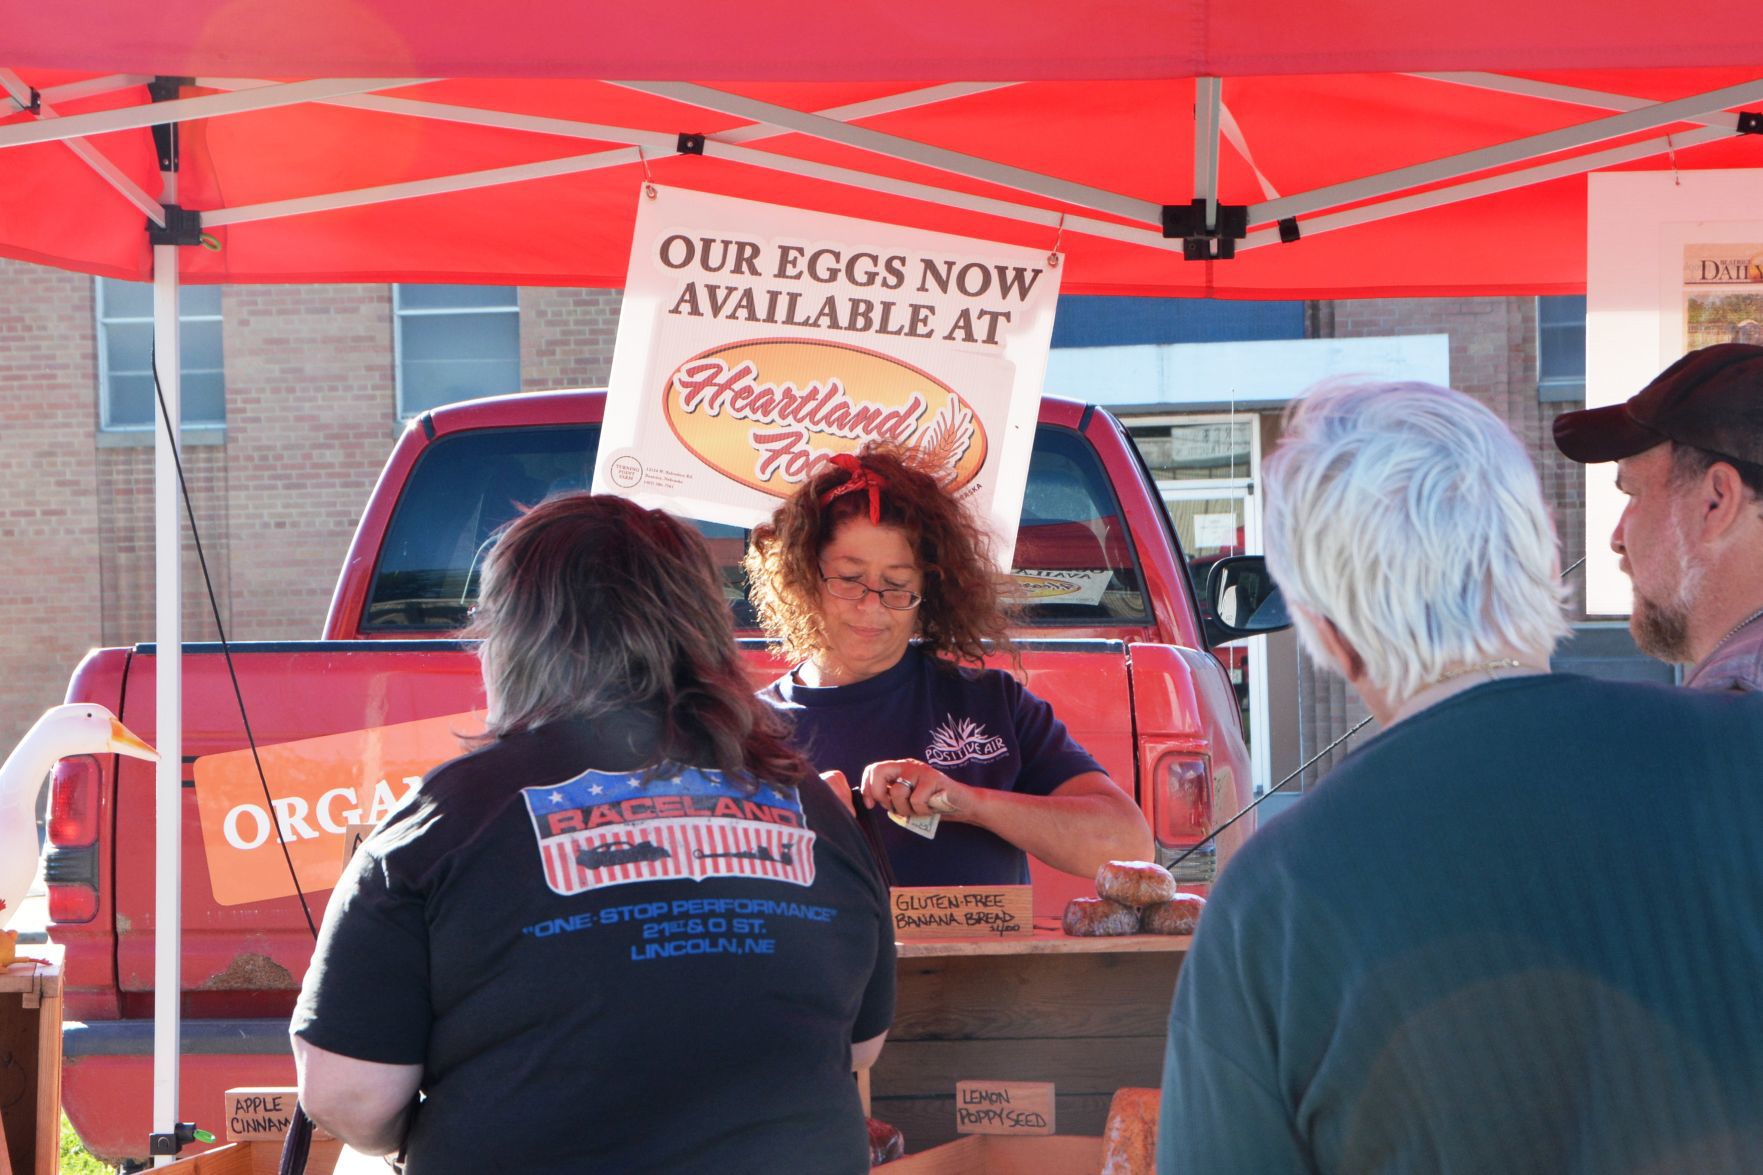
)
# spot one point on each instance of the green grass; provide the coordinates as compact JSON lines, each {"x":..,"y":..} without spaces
{"x":75,"y":1159}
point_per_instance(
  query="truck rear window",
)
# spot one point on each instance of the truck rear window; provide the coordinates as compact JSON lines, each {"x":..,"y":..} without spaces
{"x":1074,"y":562}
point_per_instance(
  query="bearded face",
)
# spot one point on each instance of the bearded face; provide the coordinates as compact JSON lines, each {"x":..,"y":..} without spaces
{"x":1657,"y":555}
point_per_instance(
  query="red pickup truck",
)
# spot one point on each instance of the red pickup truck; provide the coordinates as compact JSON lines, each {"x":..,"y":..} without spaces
{"x":1113,"y":638}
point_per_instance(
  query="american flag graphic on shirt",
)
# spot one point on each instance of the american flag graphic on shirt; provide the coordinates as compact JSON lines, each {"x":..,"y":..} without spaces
{"x":610,"y":828}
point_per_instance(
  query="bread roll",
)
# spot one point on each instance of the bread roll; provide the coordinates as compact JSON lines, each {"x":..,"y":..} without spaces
{"x":1179,"y":915}
{"x":1095,"y":917}
{"x":1134,"y":883}
{"x":1129,"y":1141}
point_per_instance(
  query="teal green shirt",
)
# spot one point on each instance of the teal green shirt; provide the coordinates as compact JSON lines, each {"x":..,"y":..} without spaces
{"x":1521,"y":931}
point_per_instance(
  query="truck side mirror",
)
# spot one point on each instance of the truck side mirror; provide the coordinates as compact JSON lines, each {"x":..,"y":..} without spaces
{"x":1242,"y":600}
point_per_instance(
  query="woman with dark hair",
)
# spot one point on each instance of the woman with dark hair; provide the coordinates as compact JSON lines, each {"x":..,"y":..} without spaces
{"x":630,"y":932}
{"x":877,"y":581}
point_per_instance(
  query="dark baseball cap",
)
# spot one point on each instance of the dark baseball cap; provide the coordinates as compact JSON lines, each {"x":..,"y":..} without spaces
{"x":1711,"y":399}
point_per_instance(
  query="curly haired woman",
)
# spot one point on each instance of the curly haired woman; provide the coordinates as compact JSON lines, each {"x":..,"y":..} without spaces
{"x":882,"y":587}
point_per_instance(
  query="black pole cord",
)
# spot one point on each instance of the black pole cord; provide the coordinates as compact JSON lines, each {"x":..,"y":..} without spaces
{"x":173,"y":432}
{"x":1307,"y":764}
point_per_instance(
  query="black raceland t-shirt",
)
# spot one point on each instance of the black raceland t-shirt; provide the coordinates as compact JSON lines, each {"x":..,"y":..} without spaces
{"x":604,"y":973}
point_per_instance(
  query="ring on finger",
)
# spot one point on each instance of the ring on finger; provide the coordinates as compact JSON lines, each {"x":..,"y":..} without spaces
{"x":905,"y":783}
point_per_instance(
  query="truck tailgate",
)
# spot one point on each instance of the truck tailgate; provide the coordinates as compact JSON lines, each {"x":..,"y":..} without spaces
{"x":320,"y":713}
{"x":292,"y":691}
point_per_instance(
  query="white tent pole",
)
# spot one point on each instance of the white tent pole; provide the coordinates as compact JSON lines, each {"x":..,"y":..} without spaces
{"x":92,"y":157}
{"x":625,"y":156}
{"x":1504,"y":182}
{"x":1499,"y":83}
{"x":895,"y":147}
{"x":569,"y":128}
{"x":1695,"y":108}
{"x":104,"y":85}
{"x":185,"y":109}
{"x":168,"y":773}
{"x":1208,"y":98}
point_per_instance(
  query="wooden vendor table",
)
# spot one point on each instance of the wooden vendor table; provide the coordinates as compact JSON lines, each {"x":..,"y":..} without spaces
{"x":30,"y":1062}
{"x":1088,"y":1014}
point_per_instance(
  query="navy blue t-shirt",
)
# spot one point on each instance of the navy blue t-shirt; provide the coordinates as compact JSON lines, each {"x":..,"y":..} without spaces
{"x":603,"y":971}
{"x":979,"y":727}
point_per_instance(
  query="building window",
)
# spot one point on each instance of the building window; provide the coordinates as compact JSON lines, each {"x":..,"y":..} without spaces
{"x":1561,"y":348}
{"x":455,"y":343}
{"x":126,"y":402}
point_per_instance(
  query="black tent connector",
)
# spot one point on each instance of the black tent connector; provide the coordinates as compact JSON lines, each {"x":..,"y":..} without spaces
{"x":164,"y":89}
{"x":183,"y":226}
{"x":1199,"y":243}
{"x":691,"y":144}
{"x":1288,"y":230}
{"x":167,"y":89}
{"x":1751,"y":122}
{"x":36,"y":103}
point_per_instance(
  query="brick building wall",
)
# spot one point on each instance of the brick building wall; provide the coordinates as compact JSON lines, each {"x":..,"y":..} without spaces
{"x":311,"y":416}
{"x":566,"y":337}
{"x":310,"y":419}
{"x":50,"y":531}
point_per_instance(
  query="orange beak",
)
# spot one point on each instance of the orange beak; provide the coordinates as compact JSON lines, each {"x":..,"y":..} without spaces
{"x":126,"y":742}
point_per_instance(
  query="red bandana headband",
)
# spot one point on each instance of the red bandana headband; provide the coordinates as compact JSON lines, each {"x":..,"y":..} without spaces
{"x":860,"y":479}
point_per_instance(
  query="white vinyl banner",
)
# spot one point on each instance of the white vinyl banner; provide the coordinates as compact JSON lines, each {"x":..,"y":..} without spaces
{"x":1674,"y":262}
{"x":756,"y":341}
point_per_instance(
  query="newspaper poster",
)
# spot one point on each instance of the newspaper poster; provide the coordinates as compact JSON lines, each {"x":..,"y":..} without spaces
{"x":757,"y":341}
{"x":1722,"y":294}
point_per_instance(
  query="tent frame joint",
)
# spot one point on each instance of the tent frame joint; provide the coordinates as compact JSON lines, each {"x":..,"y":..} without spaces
{"x":183,"y":226}
{"x":1200,"y":242}
{"x":690,"y":144}
{"x":1750,"y":121}
{"x":173,"y":1142}
{"x":167,"y":88}
{"x":1289,"y":230}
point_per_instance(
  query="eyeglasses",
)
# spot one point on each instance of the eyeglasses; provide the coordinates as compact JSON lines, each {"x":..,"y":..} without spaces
{"x":846,"y":587}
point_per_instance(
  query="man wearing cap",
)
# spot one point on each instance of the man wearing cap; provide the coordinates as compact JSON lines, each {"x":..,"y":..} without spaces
{"x":1689,"y":455}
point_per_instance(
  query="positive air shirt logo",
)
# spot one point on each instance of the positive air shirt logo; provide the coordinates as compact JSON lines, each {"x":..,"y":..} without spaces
{"x":609,"y":828}
{"x":962,"y":740}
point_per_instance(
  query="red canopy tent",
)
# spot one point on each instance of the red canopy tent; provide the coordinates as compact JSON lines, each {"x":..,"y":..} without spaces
{"x":1288,"y":150}
{"x":1411,"y":149}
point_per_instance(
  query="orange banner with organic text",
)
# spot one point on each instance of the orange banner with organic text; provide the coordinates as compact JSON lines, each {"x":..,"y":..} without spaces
{"x":317,"y":788}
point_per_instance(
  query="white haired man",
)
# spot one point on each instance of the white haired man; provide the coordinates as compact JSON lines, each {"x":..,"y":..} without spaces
{"x":1519,"y":930}
{"x":1688,"y":449}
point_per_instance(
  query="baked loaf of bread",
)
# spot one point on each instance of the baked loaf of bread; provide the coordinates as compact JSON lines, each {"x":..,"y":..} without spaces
{"x":1129,"y":1141}
{"x":1179,"y":915}
{"x":1134,"y":883}
{"x":1095,"y":917}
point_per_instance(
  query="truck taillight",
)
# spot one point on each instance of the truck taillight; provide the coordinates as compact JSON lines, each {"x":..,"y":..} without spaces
{"x":73,"y":802}
{"x":1183,"y":799}
{"x":72,"y":903}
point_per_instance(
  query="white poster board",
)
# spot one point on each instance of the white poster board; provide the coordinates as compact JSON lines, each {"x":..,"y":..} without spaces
{"x":1666,"y":257}
{"x":755,"y":341}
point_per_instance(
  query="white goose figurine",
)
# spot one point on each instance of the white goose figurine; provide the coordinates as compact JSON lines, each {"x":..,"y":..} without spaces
{"x":81,"y":728}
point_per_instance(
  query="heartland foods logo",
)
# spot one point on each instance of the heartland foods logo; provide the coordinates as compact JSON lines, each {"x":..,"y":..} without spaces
{"x":766,"y":413}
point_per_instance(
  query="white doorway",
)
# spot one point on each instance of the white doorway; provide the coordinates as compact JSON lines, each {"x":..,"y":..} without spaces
{"x":1205,"y":466}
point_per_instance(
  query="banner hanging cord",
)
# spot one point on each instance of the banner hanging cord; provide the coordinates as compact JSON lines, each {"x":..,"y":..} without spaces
{"x":225,"y":647}
{"x":1305,"y":766}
